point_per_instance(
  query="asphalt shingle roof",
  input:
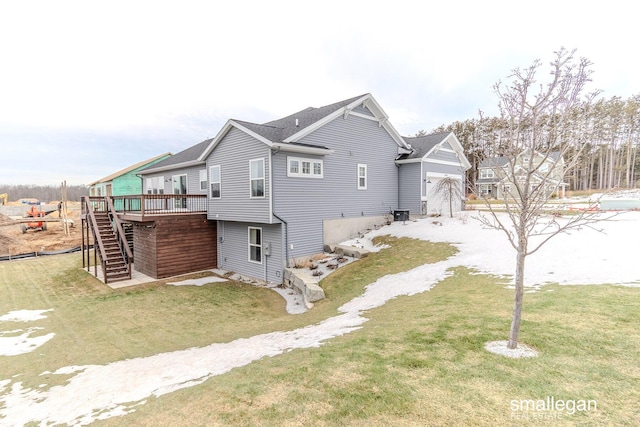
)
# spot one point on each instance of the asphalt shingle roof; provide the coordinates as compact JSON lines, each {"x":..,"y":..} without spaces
{"x":190,"y":154}
{"x":423,"y":144}
{"x":499,"y":161}
{"x":275,"y":130}
{"x":305,"y":118}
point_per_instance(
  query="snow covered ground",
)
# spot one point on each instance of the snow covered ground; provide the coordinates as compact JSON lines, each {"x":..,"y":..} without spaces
{"x":93,"y":392}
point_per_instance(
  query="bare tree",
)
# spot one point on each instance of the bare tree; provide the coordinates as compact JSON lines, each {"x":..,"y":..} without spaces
{"x":539,"y":136}
{"x":451,"y":189}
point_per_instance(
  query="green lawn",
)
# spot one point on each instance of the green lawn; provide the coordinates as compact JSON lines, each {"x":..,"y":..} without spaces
{"x":418,"y":361}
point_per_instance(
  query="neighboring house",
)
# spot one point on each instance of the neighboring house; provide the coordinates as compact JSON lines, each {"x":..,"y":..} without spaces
{"x":279,"y":191}
{"x":124,"y":182}
{"x":495,"y":176}
{"x":433,"y":157}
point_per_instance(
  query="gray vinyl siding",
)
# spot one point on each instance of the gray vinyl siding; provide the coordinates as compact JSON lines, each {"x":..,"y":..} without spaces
{"x":193,"y":179}
{"x":447,"y":156}
{"x":233,"y":250}
{"x":411,"y":178}
{"x":440,"y":168}
{"x":305,"y":202}
{"x":233,"y":153}
{"x":360,"y":109}
{"x":410,"y":187}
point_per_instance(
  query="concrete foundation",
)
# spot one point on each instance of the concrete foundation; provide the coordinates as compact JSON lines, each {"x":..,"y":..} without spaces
{"x":338,"y":230}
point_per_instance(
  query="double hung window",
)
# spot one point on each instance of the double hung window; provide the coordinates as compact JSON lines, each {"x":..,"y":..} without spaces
{"x":486,"y":173}
{"x":257,"y":177}
{"x":255,"y":244}
{"x":155,"y":185}
{"x":215,"y":186}
{"x":203,"y":180}
{"x":362,"y":177}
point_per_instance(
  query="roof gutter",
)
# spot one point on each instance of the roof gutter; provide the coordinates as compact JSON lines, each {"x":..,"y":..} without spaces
{"x":292,"y":148}
{"x":172,"y":167}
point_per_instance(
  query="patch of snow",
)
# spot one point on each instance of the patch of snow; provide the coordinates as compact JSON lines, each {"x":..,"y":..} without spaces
{"x":24,"y":315}
{"x":21,"y":341}
{"x":364,"y":243}
{"x":293,"y":298}
{"x":500,"y":347}
{"x":198,"y":282}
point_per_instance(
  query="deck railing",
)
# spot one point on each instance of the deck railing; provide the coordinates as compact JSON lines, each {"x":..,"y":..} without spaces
{"x":160,"y":204}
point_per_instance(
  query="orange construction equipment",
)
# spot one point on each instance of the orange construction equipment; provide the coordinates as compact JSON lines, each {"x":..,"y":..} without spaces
{"x":34,"y":212}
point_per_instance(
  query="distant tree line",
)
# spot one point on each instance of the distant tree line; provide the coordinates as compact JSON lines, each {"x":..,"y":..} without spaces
{"x":43,"y":193}
{"x":610,"y":129}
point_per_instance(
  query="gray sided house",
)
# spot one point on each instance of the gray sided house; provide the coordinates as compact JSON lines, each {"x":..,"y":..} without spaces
{"x":432,"y":158}
{"x":495,"y":176}
{"x":281,"y":190}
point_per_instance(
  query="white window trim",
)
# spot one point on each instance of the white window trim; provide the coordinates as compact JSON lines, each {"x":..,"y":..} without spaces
{"x":177,"y":178}
{"x":251,"y":179}
{"x":250,"y":245}
{"x":300,"y":173}
{"x":211,"y":181}
{"x":203,"y":179}
{"x":366,"y":179}
{"x":487,"y":173}
{"x":155,"y":185}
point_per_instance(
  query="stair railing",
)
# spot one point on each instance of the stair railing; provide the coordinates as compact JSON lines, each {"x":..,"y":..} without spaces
{"x":120,"y":235}
{"x":93,"y":226}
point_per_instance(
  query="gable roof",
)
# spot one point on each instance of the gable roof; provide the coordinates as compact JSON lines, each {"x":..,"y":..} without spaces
{"x":302,"y":119}
{"x":129,"y":169}
{"x":285,"y":133}
{"x":500,"y":161}
{"x":422,"y":146}
{"x":184,"y":158}
{"x":494,"y":162}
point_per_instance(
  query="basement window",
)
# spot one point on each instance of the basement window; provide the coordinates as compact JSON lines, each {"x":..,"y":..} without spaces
{"x":362,"y":177}
{"x":255,"y":244}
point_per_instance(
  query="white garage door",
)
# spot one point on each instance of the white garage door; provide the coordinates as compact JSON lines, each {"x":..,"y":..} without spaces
{"x":438,"y":201}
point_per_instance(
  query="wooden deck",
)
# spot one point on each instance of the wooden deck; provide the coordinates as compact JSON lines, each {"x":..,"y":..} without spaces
{"x":148,"y":207}
{"x":171,"y":233}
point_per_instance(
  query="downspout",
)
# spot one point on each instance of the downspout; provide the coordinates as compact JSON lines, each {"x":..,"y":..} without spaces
{"x":398,"y":192}
{"x":286,"y":238}
{"x":286,"y":225}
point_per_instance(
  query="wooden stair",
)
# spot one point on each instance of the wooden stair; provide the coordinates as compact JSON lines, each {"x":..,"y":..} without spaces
{"x":116,"y":264}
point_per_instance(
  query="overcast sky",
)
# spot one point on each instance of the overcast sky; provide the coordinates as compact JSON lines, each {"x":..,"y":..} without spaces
{"x":89,"y":88}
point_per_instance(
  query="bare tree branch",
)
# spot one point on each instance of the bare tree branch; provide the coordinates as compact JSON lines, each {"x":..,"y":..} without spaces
{"x":538,"y":145}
